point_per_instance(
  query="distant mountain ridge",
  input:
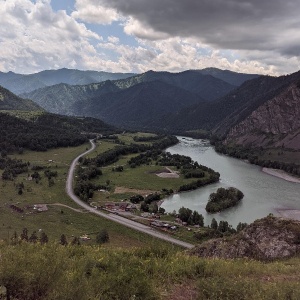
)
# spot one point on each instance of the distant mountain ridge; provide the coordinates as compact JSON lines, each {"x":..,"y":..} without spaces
{"x":20,"y":83}
{"x":228,"y":111}
{"x":60,"y":98}
{"x":186,"y":88}
{"x":230,"y":77}
{"x":141,"y":106}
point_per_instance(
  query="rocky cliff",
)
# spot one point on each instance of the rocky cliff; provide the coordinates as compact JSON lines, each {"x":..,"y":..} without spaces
{"x":276,"y":123}
{"x":266,"y":239}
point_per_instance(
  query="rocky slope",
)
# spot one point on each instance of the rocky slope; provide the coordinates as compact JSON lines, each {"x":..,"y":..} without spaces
{"x":266,"y":239}
{"x":276,"y":123}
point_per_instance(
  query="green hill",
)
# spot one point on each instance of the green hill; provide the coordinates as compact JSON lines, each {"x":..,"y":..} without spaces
{"x":42,"y":131}
{"x":9,"y":101}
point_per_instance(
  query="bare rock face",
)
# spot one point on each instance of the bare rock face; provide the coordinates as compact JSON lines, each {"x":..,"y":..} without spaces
{"x":276,"y":123}
{"x":265,"y":239}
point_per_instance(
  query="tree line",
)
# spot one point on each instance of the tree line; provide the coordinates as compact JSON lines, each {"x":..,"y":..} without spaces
{"x":250,"y":154}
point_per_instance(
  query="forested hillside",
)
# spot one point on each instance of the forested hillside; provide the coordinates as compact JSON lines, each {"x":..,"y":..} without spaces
{"x":9,"y":101}
{"x":141,"y":106}
{"x":43,"y":131}
{"x":192,"y":87}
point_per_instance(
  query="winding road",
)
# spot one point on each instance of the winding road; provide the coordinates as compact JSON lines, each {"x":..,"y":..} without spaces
{"x":116,"y":218}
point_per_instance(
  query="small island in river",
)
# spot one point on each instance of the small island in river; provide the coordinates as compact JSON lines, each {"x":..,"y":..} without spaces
{"x":223,"y":199}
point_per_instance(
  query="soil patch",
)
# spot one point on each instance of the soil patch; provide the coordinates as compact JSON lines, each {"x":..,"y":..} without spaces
{"x":123,"y":190}
{"x":168,"y":173}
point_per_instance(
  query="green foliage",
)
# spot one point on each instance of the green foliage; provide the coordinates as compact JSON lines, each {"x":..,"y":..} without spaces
{"x":214,"y":224}
{"x":255,"y":156}
{"x":213,"y":177}
{"x":12,"y":167}
{"x":136,"y":199}
{"x":223,"y":199}
{"x":190,"y":217}
{"x":46,"y":131}
{"x":102,"y":237}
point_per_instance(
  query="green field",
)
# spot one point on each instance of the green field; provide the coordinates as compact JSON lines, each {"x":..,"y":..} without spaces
{"x":58,"y":219}
{"x":140,"y":178}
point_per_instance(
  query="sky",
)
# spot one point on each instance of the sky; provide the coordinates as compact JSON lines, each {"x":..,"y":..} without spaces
{"x":249,"y":36}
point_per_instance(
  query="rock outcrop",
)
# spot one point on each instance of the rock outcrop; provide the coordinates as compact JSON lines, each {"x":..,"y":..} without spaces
{"x":265,"y":239}
{"x":276,"y":123}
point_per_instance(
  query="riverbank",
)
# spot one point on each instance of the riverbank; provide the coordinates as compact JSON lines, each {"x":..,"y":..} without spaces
{"x":289,"y":213}
{"x":281,"y":174}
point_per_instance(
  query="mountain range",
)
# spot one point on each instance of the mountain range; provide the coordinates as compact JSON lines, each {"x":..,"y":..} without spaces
{"x":24,"y":83}
{"x":262,"y":112}
{"x":140,"y":101}
{"x":243,"y":109}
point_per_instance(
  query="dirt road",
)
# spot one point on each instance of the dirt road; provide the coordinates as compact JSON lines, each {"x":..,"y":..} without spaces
{"x":113,"y":217}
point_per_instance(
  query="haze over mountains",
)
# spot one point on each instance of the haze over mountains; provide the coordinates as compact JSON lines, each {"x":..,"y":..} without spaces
{"x":20,"y":83}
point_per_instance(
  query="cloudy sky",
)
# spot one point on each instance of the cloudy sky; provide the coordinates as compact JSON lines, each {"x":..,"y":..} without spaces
{"x":251,"y":36}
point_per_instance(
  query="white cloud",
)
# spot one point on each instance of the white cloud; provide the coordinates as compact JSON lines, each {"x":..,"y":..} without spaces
{"x":137,"y":28}
{"x":113,"y":39}
{"x":169,"y":35}
{"x":243,"y":26}
{"x":34,"y":37}
{"x":93,"y":12}
{"x":176,"y":54}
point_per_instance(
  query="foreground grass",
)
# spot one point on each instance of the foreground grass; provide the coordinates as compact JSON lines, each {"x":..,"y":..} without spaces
{"x":88,"y":272}
{"x":58,"y":219}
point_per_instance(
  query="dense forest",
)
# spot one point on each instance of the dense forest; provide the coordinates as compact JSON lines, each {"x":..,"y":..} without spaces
{"x":254,"y":157}
{"x":46,"y":131}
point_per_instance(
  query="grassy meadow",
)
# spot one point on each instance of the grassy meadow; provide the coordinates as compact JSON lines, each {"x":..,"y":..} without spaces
{"x":150,"y":273}
{"x":60,"y":217}
{"x":142,"y":179}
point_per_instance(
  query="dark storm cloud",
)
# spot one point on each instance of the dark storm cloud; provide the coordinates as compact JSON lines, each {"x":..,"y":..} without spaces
{"x":229,"y":24}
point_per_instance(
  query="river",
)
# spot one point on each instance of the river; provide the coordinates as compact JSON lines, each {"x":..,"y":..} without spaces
{"x":263,"y":193}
